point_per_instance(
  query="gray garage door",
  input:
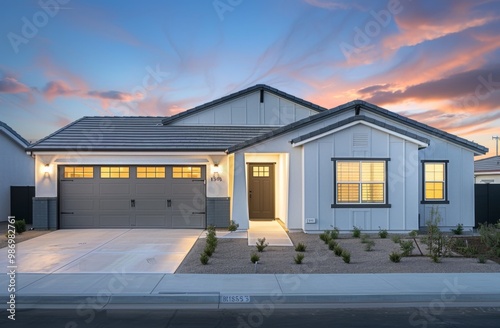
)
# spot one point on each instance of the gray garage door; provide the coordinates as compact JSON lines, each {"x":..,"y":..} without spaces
{"x":132,"y":196}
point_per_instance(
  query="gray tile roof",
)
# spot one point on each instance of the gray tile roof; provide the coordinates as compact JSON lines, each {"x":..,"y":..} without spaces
{"x":241,"y":93}
{"x":13,"y":134}
{"x":356,"y":119}
{"x":143,"y":134}
{"x":476,"y":148}
{"x":490,"y":164}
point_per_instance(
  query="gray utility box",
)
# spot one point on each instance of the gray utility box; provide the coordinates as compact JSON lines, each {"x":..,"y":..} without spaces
{"x":45,"y":213}
{"x":218,"y":211}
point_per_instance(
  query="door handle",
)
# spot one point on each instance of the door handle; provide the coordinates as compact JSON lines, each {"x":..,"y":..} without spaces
{"x":250,"y":194}
{"x":169,"y":203}
{"x":132,"y":203}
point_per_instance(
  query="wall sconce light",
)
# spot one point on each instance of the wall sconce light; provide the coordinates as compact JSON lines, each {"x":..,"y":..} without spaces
{"x":46,"y":170}
{"x":215,"y":173}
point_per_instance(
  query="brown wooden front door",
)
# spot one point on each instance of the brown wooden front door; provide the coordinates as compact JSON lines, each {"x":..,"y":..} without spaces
{"x":261,"y":190}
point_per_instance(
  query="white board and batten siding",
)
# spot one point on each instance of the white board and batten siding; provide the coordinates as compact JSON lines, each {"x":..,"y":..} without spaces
{"x":361,"y":141}
{"x":248,"y":110}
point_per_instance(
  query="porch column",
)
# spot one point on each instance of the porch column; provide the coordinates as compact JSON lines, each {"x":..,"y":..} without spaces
{"x":240,"y":199}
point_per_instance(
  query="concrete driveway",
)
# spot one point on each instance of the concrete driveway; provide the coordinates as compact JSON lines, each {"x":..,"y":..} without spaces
{"x":104,"y":251}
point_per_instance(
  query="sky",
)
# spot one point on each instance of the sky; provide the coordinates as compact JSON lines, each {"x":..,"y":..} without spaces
{"x":435,"y":61}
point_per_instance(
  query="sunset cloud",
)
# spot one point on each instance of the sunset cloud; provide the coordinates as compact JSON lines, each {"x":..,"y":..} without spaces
{"x":11,"y":85}
{"x":55,"y":89}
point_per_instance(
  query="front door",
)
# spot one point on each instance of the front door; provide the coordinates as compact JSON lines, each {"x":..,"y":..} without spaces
{"x":261,"y":190}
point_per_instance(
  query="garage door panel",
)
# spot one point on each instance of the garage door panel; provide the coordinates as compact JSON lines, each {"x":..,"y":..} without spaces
{"x":193,"y":204}
{"x":150,"y":205}
{"x":151,"y":189}
{"x":188,"y":221}
{"x":114,"y":204}
{"x":114,"y":189}
{"x":151,"y":220}
{"x":76,"y":189}
{"x":114,"y":220}
{"x":77,"y":220}
{"x":77,"y":204}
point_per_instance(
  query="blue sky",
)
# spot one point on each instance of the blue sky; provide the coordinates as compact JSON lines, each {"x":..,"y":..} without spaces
{"x":435,"y":61}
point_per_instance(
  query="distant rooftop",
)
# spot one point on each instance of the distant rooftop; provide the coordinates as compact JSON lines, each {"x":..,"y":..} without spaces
{"x":490,"y":164}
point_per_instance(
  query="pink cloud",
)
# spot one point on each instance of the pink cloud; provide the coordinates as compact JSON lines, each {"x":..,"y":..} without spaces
{"x":58,"y":88}
{"x":11,"y":85}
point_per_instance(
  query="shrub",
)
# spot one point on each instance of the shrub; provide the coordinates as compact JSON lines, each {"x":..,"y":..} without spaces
{"x":254,"y":257}
{"x":337,"y":250}
{"x":334,"y":234}
{"x":490,"y":236}
{"x":325,"y":236}
{"x":413,"y":233}
{"x":406,"y":247}
{"x":396,"y":239}
{"x":212,"y":240}
{"x":458,"y":230}
{"x":300,"y":247}
{"x":382,"y":233}
{"x":395,"y":257}
{"x":481,"y":259}
{"x":204,"y":258}
{"x":435,"y":258}
{"x":356,"y":232}
{"x":298,"y":258}
{"x":369,"y":245}
{"x":364,"y":238}
{"x":209,"y":250}
{"x":331,"y":244}
{"x":346,"y":256}
{"x":20,"y":226}
{"x":261,"y":244}
{"x":233,"y":226}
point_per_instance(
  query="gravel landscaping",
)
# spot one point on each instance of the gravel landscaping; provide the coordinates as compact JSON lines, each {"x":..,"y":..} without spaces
{"x":233,"y":256}
{"x":28,"y":234}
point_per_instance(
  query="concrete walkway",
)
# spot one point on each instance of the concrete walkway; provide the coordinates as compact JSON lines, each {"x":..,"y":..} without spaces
{"x":271,"y":230}
{"x":176,"y":291}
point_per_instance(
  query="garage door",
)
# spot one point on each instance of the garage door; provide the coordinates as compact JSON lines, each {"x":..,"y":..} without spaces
{"x":132,"y":196}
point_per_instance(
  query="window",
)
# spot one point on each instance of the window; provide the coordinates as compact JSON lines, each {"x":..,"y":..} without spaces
{"x":360,"y":182}
{"x":85,"y":172}
{"x":260,"y":171}
{"x":435,"y":181}
{"x":148,"y":172}
{"x":115,"y":172}
{"x":179,"y":172}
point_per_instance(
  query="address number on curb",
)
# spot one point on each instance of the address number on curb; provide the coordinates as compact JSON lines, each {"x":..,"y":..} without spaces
{"x":235,"y":299}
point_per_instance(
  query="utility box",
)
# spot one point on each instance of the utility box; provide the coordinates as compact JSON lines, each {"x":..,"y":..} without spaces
{"x":218,"y":213}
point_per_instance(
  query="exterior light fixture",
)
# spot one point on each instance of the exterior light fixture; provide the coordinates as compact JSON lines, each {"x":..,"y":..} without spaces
{"x":46,"y":169}
{"x":215,"y":173}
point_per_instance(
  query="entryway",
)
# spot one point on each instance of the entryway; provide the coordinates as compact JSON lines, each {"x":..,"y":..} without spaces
{"x":270,"y":229}
{"x":261,"y":195}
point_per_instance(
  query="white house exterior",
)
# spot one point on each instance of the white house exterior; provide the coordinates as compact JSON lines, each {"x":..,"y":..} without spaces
{"x":17,"y":168}
{"x":487,"y":170}
{"x":265,"y":153}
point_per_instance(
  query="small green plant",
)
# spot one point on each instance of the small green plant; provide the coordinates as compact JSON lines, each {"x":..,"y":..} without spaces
{"x":204,"y":258}
{"x":325,"y":236}
{"x":298,"y":258}
{"x":481,"y":259}
{"x":331,"y":244}
{"x":369,"y":245}
{"x":395,"y":257}
{"x":490,"y":236}
{"x":254,"y":257}
{"x":346,"y":256}
{"x":413,"y":233}
{"x":356,"y":232}
{"x":300,"y":247}
{"x":407,"y":247}
{"x":337,"y":250}
{"x":365,"y":238}
{"x":261,"y":244}
{"x":382,"y":233}
{"x":435,"y":258}
{"x":233,"y":226}
{"x":458,"y":230}
{"x":20,"y":226}
{"x":396,"y":239}
{"x":209,"y":250}
{"x":334,"y":234}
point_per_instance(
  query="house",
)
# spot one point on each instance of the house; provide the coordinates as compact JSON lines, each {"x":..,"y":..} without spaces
{"x":487,"y":170}
{"x":17,"y":168}
{"x":262,"y":154}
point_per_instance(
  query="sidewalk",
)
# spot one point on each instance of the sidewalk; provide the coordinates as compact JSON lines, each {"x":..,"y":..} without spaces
{"x":178,"y":291}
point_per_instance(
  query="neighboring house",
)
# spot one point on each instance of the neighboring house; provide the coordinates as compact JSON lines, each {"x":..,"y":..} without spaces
{"x":17,"y":168}
{"x":264,"y":154}
{"x":487,"y":170}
